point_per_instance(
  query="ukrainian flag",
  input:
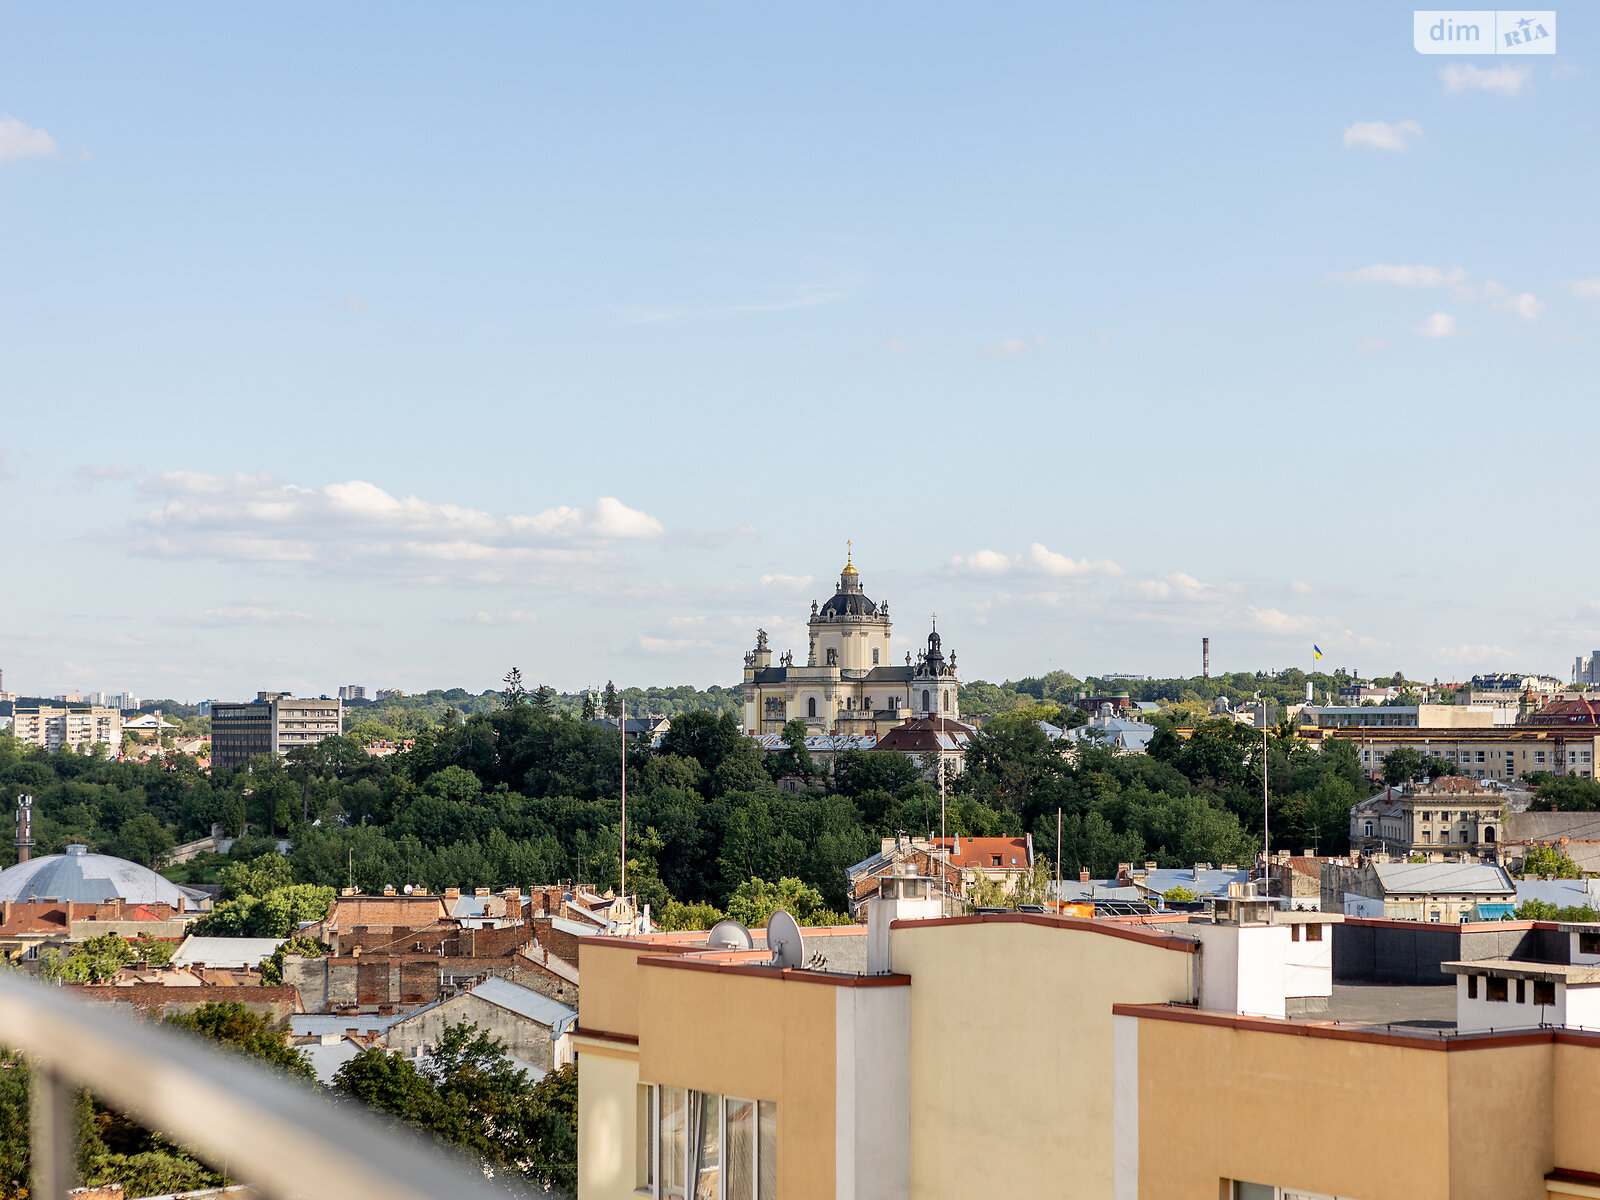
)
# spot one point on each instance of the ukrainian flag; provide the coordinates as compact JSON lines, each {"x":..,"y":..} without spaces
{"x":1316,"y":651}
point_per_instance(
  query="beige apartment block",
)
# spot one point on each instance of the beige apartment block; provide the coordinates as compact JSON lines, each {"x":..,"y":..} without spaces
{"x":50,"y":727}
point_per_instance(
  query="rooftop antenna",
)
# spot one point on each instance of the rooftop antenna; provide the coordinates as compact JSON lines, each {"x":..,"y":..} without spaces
{"x":622,"y":726}
{"x":784,"y":940}
{"x":728,"y":934}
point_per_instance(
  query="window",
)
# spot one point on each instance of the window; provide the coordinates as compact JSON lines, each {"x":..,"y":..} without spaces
{"x":875,"y":657}
{"x":1480,"y":756}
{"x":1472,"y":987}
{"x":1426,"y":836}
{"x":1366,"y":829}
{"x":1294,"y":933}
{"x":833,"y":657}
{"x":1544,"y":991}
{"x":1497,"y":989}
{"x":1463,"y":835}
{"x":1538,"y":756}
{"x":644,"y":1172}
{"x":1433,"y":915}
{"x":1488,"y":833}
{"x":740,"y":1127}
{"x":1589,"y":943}
{"x":1522,"y":991}
{"x":811,"y":703}
{"x":767,"y":1151}
{"x":1314,"y":933}
{"x":673,"y":1133}
{"x":925,"y":700}
{"x":707,"y":1169}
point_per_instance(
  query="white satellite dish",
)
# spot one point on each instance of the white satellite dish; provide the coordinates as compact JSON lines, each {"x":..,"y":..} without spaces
{"x":784,"y":940}
{"x":729,"y":934}
{"x":409,"y":889}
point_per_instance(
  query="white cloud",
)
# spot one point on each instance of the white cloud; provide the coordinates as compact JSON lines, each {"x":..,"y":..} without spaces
{"x":1300,"y":587}
{"x":1275,"y":621}
{"x":1383,"y":135}
{"x":1504,"y":80}
{"x":511,"y":617}
{"x":1586,"y":289}
{"x":256,"y":614}
{"x":101,"y":472}
{"x":1007,"y":347}
{"x":1440,"y":325}
{"x":1525,"y":305}
{"x":358,"y":527}
{"x":1038,"y":559}
{"x":1403,"y":276}
{"x":19,"y":141}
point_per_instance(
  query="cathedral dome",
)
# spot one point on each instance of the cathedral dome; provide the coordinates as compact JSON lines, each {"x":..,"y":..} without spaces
{"x":92,"y":878}
{"x":850,"y":604}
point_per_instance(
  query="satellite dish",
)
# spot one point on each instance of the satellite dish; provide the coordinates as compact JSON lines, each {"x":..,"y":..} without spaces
{"x":409,"y":889}
{"x":729,"y":934}
{"x":784,"y":940}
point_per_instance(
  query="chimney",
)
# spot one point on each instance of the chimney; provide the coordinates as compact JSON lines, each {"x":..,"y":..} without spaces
{"x":347,"y":891}
{"x":1124,"y":874}
{"x":1149,"y":866}
{"x":451,"y":894}
{"x":1205,"y":658}
{"x":480,"y":891}
{"x":1083,"y":874}
{"x":388,"y":889}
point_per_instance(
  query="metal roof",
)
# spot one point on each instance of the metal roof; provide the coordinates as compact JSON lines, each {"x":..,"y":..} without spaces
{"x":1563,"y":893}
{"x":224,"y":951}
{"x":91,"y":878}
{"x":1212,"y":882}
{"x":526,"y":1002}
{"x":326,"y":1060}
{"x":317,"y":1024}
{"x":1442,"y":877}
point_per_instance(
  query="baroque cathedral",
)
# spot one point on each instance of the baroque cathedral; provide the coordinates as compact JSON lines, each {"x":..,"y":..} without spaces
{"x":849,"y":683}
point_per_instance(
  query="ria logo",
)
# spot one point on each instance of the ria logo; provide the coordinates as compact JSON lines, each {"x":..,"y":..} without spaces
{"x":1483,"y":31}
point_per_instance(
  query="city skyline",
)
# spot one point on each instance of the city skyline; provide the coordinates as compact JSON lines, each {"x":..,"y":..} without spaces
{"x":439,"y":343}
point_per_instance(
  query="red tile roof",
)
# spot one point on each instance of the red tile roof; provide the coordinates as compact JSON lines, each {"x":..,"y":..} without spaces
{"x":982,"y":851}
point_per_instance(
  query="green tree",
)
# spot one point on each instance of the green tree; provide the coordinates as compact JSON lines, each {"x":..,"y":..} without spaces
{"x":94,"y":960}
{"x":515,"y":694}
{"x":613,"y":702}
{"x":588,"y":713}
{"x":1546,"y":861}
{"x":755,"y":900}
{"x":304,"y":947}
{"x":236,"y":1027}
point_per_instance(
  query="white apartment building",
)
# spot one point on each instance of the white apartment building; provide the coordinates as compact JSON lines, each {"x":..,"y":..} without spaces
{"x":51,"y":727}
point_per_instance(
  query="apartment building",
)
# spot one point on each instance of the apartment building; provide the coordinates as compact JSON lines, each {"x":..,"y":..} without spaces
{"x":1453,"y":815}
{"x":1502,"y":753}
{"x":1402,"y":716}
{"x":996,"y":1055}
{"x":352,"y":691}
{"x":51,"y":727}
{"x":272,"y":723}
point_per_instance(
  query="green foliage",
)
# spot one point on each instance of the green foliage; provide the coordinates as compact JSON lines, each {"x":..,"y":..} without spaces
{"x":755,"y":900}
{"x":94,"y":960}
{"x":1547,"y":860}
{"x":1545,"y":910}
{"x":675,"y":915}
{"x":1180,"y":893}
{"x":237,"y":1028}
{"x":470,"y":1095}
{"x":272,"y":966}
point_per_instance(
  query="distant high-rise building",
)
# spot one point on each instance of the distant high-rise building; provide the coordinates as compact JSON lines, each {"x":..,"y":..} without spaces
{"x":352,"y":691}
{"x":272,"y":723}
{"x":391,"y":694}
{"x":51,"y":727}
{"x":1586,"y":670}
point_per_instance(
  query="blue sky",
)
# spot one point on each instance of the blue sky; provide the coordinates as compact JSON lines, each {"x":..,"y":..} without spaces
{"x":401,"y":344}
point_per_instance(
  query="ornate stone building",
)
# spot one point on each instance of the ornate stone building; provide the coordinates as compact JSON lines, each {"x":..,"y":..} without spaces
{"x":849,"y":683}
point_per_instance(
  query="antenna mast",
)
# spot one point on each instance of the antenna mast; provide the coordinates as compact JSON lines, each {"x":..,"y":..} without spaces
{"x":622,"y":726}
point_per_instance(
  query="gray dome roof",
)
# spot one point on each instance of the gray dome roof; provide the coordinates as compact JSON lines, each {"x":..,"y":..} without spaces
{"x":91,"y":878}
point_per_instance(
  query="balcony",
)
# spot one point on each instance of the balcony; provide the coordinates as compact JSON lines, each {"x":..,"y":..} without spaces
{"x":279,"y":1137}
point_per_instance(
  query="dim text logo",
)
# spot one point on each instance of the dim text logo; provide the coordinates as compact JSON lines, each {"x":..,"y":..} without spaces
{"x":1483,"y":31}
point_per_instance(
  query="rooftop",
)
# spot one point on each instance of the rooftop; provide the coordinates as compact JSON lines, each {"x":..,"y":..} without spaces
{"x":1468,"y":878}
{"x":1514,"y":968}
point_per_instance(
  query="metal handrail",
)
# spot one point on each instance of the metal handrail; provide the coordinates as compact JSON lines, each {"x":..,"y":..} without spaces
{"x":269,"y":1131}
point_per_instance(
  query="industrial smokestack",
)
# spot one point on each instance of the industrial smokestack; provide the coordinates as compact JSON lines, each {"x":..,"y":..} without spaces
{"x":24,"y":841}
{"x":1205,"y":658}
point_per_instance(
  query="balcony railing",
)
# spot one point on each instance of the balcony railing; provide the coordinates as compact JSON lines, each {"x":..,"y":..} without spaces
{"x":276,"y":1135}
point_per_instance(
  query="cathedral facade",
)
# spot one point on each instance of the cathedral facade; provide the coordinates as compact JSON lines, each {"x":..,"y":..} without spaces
{"x":850,"y":682}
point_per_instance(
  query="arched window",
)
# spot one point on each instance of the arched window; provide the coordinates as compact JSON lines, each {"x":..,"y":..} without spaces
{"x":874,"y":656}
{"x":946,"y":705}
{"x":811,"y":702}
{"x":1366,"y":826}
{"x":1488,"y":833}
{"x":925,"y":700}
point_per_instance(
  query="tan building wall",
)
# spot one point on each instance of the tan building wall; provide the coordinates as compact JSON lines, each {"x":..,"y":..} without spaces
{"x":1011,"y":1038}
{"x":1507,"y":753}
{"x":1482,"y":1119}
